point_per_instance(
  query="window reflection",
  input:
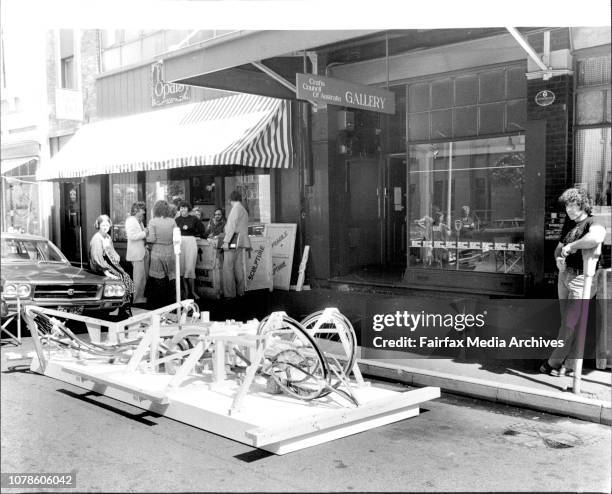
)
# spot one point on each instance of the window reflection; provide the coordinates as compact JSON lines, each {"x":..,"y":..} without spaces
{"x":466,"y":206}
{"x":124,"y":192}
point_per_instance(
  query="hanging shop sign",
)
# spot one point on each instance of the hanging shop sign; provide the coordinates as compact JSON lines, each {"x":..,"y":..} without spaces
{"x":166,"y":93}
{"x":544,"y":98}
{"x":327,"y":90}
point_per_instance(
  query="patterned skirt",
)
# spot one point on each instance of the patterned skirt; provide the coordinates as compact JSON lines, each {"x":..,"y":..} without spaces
{"x":118,"y":271}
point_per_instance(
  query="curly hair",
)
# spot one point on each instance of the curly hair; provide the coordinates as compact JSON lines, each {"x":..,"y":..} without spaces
{"x":137,"y":206}
{"x":579,"y":197}
{"x":161,"y":209}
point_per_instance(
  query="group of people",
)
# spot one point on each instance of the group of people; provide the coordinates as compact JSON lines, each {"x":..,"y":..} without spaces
{"x":436,"y":228}
{"x":151,"y":253}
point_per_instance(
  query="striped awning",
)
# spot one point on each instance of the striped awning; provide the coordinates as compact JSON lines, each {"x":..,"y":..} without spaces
{"x":242,"y":129}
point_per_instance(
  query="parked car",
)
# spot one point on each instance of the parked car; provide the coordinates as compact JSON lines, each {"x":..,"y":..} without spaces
{"x":36,"y":272}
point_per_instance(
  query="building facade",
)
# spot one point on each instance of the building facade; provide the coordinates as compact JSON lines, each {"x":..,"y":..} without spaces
{"x":49,"y":94}
{"x":457,"y":190}
{"x":23,"y":129}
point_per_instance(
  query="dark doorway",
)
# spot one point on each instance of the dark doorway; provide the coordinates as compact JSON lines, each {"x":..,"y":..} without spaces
{"x":72,"y":232}
{"x":364,"y":222}
{"x":395,"y":212}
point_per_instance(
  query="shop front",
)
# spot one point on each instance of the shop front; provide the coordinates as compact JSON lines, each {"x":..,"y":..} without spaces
{"x":454,"y":190}
{"x":457,"y":191}
{"x":20,"y":207}
{"x":435,"y":193}
{"x":447,"y":191}
{"x":205,"y":188}
{"x":196,"y":152}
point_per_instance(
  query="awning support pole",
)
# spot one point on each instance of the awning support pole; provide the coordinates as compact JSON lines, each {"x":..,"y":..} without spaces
{"x":277,"y":77}
{"x":521,"y":40}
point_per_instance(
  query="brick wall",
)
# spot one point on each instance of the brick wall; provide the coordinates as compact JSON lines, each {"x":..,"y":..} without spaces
{"x":558,"y":164}
{"x":559,"y":133}
{"x":52,"y":77}
{"x":90,"y":64}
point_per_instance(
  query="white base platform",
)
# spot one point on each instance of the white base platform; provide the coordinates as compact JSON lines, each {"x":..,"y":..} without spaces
{"x":276,"y":423}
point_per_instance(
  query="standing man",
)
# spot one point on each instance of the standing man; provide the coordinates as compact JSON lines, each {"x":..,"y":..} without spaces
{"x":235,"y":242}
{"x":467,"y":220}
{"x":581,"y":231}
{"x":137,"y":252}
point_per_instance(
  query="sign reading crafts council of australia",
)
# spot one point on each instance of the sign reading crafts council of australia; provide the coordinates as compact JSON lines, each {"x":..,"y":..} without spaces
{"x":166,"y":93}
{"x":328,"y":91}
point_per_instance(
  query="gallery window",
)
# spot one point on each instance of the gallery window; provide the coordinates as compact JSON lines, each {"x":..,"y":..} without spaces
{"x":487,"y":102}
{"x":593,"y":125}
{"x":593,"y":167}
{"x":466,"y":205}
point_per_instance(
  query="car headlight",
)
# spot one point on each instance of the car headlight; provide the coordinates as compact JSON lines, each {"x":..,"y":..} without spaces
{"x":114,"y":290}
{"x":10,"y":291}
{"x":24,"y":291}
{"x":14,"y":291}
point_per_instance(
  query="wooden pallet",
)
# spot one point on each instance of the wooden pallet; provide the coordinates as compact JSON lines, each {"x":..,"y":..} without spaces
{"x":236,"y":406}
{"x":276,"y":423}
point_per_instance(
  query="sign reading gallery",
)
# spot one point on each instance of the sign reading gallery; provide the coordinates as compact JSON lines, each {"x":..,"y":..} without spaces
{"x":327,"y":90}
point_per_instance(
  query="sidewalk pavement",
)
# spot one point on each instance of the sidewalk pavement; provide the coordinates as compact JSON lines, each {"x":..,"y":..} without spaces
{"x":513,"y":382}
{"x":510,"y":382}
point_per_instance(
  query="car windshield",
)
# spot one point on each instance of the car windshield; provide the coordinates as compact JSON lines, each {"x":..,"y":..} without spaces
{"x":17,"y":249}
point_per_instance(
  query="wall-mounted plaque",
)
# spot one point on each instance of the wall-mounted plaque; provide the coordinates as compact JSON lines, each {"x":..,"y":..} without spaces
{"x":544,"y":98}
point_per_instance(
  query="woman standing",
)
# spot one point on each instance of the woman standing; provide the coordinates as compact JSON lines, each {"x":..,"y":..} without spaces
{"x":191,"y":227}
{"x":103,"y":259}
{"x":216,"y":224}
{"x":162,"y":263}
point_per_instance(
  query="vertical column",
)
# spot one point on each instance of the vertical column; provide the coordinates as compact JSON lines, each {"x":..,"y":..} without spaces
{"x":317,"y":201}
{"x":557,"y":144}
